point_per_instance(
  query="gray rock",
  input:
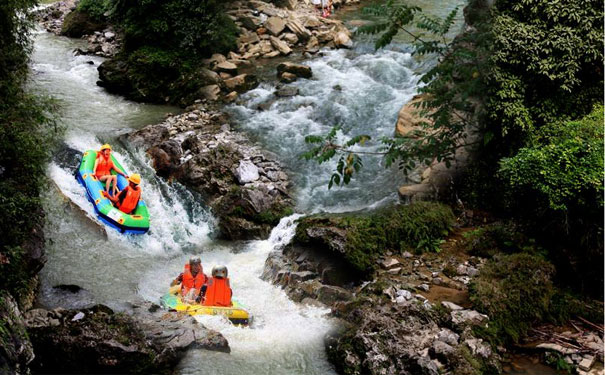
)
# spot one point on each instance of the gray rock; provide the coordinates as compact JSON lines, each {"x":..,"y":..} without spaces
{"x":478,"y":347}
{"x":16,"y":352}
{"x":246,"y":172}
{"x":286,"y":91}
{"x":389,"y":263}
{"x":448,"y":337}
{"x":329,"y":294}
{"x":404,"y":293}
{"x":450,"y":305}
{"x":210,"y":92}
{"x":442,"y":350}
{"x":424,"y":287}
{"x":468,"y":317}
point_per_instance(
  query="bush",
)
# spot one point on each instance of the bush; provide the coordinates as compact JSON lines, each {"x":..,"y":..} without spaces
{"x":514,"y":291}
{"x":96,"y":9}
{"x":193,"y":27}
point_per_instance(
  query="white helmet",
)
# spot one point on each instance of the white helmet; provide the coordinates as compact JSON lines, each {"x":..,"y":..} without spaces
{"x":220,"y":272}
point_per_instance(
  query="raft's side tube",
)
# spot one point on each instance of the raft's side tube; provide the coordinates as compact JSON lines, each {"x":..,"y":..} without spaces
{"x":136,"y":223}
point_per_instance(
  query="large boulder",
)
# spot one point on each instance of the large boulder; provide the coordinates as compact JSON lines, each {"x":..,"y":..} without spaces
{"x":79,"y":23}
{"x":97,"y":340}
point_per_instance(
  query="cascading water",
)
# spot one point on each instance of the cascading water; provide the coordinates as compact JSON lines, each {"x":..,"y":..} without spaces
{"x":359,"y":90}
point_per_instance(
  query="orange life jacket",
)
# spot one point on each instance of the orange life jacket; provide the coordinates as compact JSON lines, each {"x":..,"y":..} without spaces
{"x":104,"y":165}
{"x":192,"y":282}
{"x":130,"y":200}
{"x":218,"y":292}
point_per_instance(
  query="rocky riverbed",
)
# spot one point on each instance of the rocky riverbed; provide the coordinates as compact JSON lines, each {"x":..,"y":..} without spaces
{"x":411,"y":316}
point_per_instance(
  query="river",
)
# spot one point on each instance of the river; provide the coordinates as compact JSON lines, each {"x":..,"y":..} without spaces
{"x":358,"y":89}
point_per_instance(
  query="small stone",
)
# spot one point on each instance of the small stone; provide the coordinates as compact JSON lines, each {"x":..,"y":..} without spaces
{"x":407,"y":254}
{"x":389,"y":263}
{"x":281,"y":46}
{"x":342,"y":40}
{"x":230,"y":98}
{"x":287,"y":91}
{"x":404,"y":293}
{"x":424,"y":287}
{"x":587,"y":362}
{"x":109,"y":35}
{"x":78,"y":316}
{"x":450,"y":305}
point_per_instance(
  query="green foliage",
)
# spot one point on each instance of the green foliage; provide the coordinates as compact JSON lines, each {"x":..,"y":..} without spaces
{"x":193,"y":27}
{"x":514,"y":291}
{"x":557,"y":360}
{"x":565,"y":305}
{"x":546,"y":65}
{"x":564,"y":166}
{"x":497,"y":238}
{"x":96,"y":9}
{"x":419,"y":226}
{"x":27,"y":132}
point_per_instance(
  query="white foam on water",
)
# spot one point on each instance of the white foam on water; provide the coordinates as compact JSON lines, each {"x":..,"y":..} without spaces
{"x":284,"y":338}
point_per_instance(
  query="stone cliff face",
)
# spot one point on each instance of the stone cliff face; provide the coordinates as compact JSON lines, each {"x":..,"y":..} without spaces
{"x":245,"y":186}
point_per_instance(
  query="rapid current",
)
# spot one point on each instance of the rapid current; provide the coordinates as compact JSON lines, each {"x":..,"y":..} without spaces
{"x":359,"y":89}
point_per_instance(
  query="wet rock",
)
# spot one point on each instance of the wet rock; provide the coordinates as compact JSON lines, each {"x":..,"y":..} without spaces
{"x":210,"y":92}
{"x":299,"y":70}
{"x":286,"y":77}
{"x":275,"y":25}
{"x":99,"y":340}
{"x":67,"y":158}
{"x":342,"y":40}
{"x":16,"y":350}
{"x":286,"y":91}
{"x":241,"y":83}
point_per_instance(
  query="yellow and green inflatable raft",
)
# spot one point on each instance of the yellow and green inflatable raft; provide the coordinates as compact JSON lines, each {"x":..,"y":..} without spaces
{"x":137,"y":222}
{"x":237,"y":313}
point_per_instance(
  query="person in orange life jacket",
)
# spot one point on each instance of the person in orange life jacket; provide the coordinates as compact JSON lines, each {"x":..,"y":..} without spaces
{"x":217,"y":291}
{"x":192,"y":280}
{"x":128,"y":198}
{"x":102,"y":169}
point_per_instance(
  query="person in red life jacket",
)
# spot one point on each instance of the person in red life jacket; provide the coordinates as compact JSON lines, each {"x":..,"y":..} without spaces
{"x":103,"y":167}
{"x":127,"y":200}
{"x":217,"y":291}
{"x":192,"y":279}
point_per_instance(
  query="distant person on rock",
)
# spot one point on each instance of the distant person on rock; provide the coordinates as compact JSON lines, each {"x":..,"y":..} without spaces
{"x":192,"y":279}
{"x":127,"y":200}
{"x":103,"y":167}
{"x":217,"y":291}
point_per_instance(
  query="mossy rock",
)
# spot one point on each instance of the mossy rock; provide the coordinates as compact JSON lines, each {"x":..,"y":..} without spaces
{"x":361,"y":238}
{"x":78,"y":23}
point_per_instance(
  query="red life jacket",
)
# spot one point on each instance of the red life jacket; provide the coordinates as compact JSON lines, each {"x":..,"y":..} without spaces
{"x":192,"y":282}
{"x":218,"y":292}
{"x":130,"y":200}
{"x":104,"y":165}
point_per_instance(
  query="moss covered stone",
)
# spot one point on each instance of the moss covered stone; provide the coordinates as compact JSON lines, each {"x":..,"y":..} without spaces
{"x":362,"y":238}
{"x":514,"y":291}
